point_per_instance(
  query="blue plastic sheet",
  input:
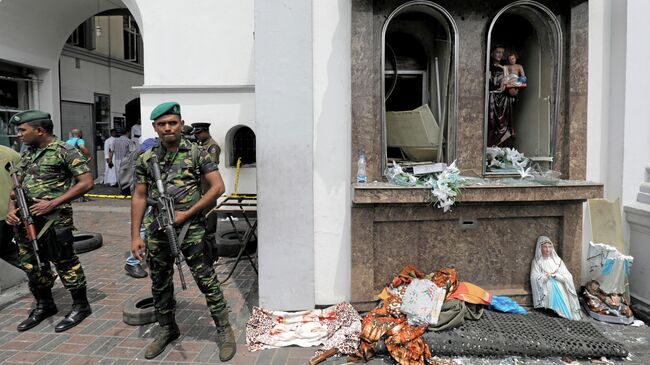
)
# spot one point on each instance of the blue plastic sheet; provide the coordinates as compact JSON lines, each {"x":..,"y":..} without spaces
{"x":506,"y":305}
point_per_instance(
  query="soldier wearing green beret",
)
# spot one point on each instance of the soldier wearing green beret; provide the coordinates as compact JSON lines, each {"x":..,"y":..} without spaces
{"x":182,"y":165}
{"x":46,"y":170}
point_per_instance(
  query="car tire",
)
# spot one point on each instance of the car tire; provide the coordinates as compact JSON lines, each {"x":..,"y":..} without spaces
{"x":227,"y":244}
{"x":139,"y":311}
{"x":84,"y":242}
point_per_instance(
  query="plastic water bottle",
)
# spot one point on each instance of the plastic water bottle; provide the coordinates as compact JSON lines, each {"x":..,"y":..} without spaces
{"x":361,"y":168}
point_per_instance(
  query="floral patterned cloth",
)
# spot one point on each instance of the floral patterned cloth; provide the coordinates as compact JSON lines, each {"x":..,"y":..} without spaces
{"x":333,"y":327}
{"x":422,"y":301}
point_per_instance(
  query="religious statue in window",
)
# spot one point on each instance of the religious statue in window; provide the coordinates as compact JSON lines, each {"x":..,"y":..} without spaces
{"x":506,"y":80}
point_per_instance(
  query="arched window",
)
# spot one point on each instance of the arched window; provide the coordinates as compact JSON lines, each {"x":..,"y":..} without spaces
{"x":242,"y":145}
{"x":419,"y":84}
{"x":524,"y":38}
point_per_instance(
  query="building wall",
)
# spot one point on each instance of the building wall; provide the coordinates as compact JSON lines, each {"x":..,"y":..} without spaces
{"x":332,"y":140}
{"x":618,"y":131}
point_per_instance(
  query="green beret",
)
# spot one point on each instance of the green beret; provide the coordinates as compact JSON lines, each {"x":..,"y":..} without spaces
{"x":170,"y":107}
{"x":29,"y":116}
{"x":202,"y":126}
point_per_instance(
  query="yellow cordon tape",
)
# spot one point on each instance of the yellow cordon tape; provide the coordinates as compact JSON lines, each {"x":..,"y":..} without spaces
{"x":108,"y":196}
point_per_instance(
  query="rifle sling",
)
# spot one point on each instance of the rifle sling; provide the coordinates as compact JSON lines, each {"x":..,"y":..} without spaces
{"x":47,"y":225}
{"x":183,"y":232}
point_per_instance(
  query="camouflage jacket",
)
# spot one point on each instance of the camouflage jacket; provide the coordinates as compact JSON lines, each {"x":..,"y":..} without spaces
{"x":47,"y":174}
{"x":180,"y":172}
{"x":213,"y":149}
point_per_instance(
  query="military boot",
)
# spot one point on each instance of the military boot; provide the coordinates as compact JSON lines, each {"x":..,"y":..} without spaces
{"x":80,"y":310}
{"x":225,"y":336}
{"x":45,"y":308}
{"x":168,"y":332}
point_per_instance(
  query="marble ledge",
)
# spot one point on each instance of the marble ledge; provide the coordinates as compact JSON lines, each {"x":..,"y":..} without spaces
{"x":485,"y":192}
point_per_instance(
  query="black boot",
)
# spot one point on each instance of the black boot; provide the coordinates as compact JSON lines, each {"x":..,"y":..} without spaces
{"x":225,"y":336}
{"x":168,"y":332}
{"x":45,"y":308}
{"x":80,"y":310}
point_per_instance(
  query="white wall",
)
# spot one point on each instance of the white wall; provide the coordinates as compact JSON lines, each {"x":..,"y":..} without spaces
{"x":636,"y":146}
{"x":618,"y":147}
{"x":332,"y":141}
{"x":199,"y":42}
{"x":285,"y":152}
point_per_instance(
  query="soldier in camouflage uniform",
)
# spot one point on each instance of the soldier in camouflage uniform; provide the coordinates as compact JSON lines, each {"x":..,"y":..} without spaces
{"x":182,"y":164}
{"x":201,"y":132}
{"x":46,"y":170}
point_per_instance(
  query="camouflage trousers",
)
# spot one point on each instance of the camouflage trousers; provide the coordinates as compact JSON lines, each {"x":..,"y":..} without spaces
{"x":55,"y":246}
{"x":161,"y":265}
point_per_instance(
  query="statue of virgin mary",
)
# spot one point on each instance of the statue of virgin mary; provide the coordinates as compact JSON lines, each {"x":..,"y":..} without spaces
{"x":552,"y":283}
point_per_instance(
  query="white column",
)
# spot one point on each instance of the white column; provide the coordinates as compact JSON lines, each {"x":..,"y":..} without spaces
{"x":285,"y":153}
{"x":332,"y":141}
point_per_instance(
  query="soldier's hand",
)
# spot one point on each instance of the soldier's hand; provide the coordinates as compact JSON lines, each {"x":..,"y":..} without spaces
{"x":181,"y":217}
{"x":41,"y":207}
{"x":12,"y":217}
{"x":138,"y":249}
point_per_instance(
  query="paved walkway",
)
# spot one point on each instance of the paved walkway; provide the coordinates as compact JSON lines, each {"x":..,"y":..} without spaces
{"x":104,"y":339}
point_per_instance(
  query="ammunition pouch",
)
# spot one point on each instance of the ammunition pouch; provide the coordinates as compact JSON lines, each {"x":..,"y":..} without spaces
{"x":59,"y":243}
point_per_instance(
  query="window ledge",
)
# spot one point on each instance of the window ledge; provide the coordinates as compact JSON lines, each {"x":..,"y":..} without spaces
{"x":525,"y":191}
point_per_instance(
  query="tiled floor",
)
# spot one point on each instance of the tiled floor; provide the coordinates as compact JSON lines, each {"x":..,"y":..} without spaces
{"x":104,"y":338}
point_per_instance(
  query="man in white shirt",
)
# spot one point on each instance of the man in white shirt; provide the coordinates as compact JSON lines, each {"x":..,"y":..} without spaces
{"x":110,"y":173}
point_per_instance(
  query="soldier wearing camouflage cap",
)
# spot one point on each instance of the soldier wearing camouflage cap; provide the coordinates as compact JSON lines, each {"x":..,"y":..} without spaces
{"x":182,"y":165}
{"x":46,"y":170}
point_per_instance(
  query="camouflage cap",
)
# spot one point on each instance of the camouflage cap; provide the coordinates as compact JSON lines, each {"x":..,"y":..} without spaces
{"x":170,"y":107}
{"x":201,"y":126}
{"x":29,"y":116}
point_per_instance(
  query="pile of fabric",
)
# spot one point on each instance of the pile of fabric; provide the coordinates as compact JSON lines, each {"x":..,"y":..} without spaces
{"x":414,"y":303}
{"x":335,"y":327}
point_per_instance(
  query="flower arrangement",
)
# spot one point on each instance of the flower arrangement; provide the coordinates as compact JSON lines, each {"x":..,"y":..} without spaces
{"x":445,"y":185}
{"x":503,"y":158}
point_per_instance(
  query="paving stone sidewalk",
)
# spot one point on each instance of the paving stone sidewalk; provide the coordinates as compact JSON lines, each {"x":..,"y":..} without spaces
{"x":105,"y":339}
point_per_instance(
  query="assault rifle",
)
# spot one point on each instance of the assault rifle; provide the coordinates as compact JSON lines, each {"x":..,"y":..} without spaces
{"x":25,"y":216}
{"x":166,"y":216}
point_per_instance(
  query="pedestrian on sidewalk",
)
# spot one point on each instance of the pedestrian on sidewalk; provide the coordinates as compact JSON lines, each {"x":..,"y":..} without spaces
{"x":182,"y":164}
{"x":46,"y":170}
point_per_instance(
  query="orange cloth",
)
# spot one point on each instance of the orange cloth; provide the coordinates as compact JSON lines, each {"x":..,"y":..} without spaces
{"x":446,"y":277}
{"x":471,"y":293}
{"x":404,"y":342}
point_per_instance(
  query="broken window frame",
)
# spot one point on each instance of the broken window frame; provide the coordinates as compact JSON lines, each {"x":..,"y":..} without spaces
{"x":451,"y":138}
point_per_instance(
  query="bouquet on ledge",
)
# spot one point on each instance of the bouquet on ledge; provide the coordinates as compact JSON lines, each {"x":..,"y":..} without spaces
{"x":445,"y":185}
{"x":508,"y":158}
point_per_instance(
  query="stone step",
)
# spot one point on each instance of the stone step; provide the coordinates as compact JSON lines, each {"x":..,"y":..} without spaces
{"x":645,"y":187}
{"x":643,"y":198}
{"x":647,"y":174}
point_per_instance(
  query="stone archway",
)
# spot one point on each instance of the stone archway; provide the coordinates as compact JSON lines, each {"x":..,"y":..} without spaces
{"x":36,"y":32}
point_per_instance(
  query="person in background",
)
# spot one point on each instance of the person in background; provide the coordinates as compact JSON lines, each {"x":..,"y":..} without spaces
{"x":77,"y":142}
{"x":121,"y":146}
{"x":133,"y":266}
{"x":110,"y":172}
